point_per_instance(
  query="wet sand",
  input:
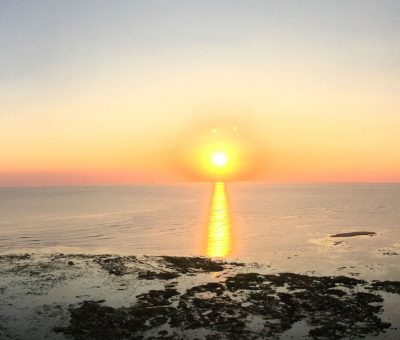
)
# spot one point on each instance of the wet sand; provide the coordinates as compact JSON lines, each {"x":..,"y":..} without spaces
{"x":57,"y":296}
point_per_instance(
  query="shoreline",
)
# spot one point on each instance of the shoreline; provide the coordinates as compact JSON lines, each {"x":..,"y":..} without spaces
{"x":80,"y":296}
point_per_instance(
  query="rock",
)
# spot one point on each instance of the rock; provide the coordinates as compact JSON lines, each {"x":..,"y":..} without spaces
{"x":355,"y":233}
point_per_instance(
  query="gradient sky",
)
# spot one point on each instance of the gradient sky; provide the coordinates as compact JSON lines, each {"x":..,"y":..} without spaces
{"x":110,"y":91}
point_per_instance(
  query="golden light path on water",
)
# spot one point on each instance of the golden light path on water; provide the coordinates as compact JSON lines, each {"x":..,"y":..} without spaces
{"x":219,"y":240}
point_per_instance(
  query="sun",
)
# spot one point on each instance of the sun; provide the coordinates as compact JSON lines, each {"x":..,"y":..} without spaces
{"x":219,"y":159}
{"x":219,"y":155}
{"x":216,"y":157}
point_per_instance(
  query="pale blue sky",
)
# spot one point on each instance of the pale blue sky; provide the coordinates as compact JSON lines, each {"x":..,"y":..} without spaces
{"x":43,"y":36}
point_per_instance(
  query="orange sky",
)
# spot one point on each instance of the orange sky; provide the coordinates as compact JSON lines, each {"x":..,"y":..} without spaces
{"x":100,"y":96}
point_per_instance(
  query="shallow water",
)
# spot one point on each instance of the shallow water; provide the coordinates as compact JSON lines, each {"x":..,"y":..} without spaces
{"x":287,"y":226}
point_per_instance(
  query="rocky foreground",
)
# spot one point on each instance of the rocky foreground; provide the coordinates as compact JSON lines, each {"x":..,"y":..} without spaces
{"x":80,"y":296}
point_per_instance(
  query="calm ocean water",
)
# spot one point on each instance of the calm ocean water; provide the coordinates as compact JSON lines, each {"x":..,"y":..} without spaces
{"x":288,"y":225}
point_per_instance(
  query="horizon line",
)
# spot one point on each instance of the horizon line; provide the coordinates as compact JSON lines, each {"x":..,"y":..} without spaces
{"x":33,"y":186}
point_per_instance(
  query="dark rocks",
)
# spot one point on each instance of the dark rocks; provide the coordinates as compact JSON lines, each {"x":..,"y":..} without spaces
{"x":14,"y":257}
{"x":333,"y":307}
{"x":244,"y":281}
{"x":235,"y":305}
{"x":390,"y":253}
{"x":94,"y":321}
{"x":212,"y":287}
{"x":157,"y":297}
{"x":150,"y":275}
{"x":193,"y":264}
{"x":355,"y":233}
{"x":113,"y":265}
{"x":387,"y":286}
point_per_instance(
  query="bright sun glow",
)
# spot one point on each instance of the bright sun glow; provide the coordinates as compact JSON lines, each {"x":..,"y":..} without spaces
{"x":216,"y":158}
{"x":219,"y":159}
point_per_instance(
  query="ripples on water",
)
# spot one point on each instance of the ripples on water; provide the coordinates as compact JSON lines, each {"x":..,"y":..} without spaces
{"x":263,"y":222}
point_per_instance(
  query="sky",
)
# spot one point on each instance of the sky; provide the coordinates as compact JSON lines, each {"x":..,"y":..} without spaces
{"x":114,"y":92}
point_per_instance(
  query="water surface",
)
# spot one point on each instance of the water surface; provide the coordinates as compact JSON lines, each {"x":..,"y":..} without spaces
{"x":285,"y":225}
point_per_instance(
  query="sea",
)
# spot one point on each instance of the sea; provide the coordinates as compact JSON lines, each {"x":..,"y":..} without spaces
{"x":289,"y":226}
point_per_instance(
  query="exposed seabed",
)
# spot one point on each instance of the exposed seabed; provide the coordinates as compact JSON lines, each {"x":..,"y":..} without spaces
{"x":80,"y":296}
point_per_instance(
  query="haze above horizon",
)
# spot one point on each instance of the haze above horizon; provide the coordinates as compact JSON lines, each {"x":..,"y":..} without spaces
{"x":133,"y":92}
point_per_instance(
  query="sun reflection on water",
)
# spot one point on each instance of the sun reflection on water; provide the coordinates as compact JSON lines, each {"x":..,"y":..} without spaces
{"x":219,"y":241}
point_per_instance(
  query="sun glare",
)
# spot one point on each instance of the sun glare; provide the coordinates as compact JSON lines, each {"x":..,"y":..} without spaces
{"x":218,"y":155}
{"x":220,"y":159}
{"x":219,"y":240}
